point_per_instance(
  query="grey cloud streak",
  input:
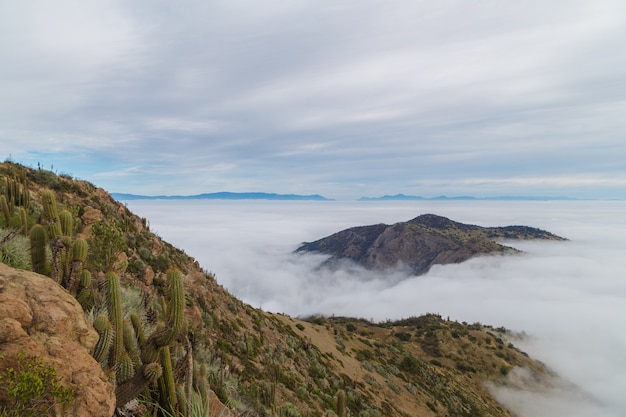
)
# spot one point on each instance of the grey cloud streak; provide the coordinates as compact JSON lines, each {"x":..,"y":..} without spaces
{"x":569,"y":297}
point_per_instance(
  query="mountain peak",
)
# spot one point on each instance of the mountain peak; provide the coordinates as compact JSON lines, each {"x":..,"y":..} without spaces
{"x":426,"y":240}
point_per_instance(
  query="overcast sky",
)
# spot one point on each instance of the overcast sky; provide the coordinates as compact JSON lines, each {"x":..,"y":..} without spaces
{"x":341,"y":98}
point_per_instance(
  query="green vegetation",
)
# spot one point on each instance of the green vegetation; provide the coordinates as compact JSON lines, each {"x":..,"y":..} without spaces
{"x":33,"y":388}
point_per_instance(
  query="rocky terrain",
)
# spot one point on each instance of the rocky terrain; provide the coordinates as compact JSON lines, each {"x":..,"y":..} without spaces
{"x":418,"y":244}
{"x":186,"y":347}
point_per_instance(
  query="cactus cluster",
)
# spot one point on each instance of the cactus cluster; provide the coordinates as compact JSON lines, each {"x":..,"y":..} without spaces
{"x":69,"y":255}
{"x":137,"y":361}
{"x":17,"y":195}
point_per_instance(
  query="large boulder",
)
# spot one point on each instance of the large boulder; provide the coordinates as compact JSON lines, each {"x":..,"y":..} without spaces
{"x":38,"y":317}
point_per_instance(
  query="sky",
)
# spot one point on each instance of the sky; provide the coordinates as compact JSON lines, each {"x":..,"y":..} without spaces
{"x":567,"y":299}
{"x":340,"y":98}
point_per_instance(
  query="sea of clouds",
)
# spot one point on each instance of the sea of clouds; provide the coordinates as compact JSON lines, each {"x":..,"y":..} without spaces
{"x":569,"y":298}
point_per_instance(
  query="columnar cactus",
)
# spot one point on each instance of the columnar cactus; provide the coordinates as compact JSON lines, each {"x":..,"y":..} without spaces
{"x":105,"y":330}
{"x":79,"y":250}
{"x":84,"y":292}
{"x":130,"y":389}
{"x":167,"y":388}
{"x":114,"y":299}
{"x":24,"y":221}
{"x":67,"y":223}
{"x":341,"y":403}
{"x":51,"y":213}
{"x":138,"y":328}
{"x":130,"y":343}
{"x":4,"y":206}
{"x":38,"y":249}
{"x":175,"y":309}
{"x":124,"y":368}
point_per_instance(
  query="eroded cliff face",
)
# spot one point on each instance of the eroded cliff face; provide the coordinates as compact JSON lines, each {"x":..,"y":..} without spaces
{"x":38,"y":317}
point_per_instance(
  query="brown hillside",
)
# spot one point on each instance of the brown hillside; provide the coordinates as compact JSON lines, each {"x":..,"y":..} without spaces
{"x":258,"y":363}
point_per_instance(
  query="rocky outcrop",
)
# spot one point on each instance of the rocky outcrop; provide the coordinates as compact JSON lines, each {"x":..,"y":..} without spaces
{"x":419,"y":243}
{"x":38,"y":317}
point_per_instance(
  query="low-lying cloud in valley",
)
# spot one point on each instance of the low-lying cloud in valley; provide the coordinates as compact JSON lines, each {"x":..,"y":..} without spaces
{"x":568,"y":297}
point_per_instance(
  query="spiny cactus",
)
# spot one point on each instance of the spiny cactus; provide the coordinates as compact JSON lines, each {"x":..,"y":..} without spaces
{"x":17,"y":192}
{"x":152,"y":348}
{"x":51,"y":213}
{"x":167,"y":388}
{"x":124,"y":368}
{"x":138,"y":328}
{"x":38,"y":249}
{"x":79,"y":250}
{"x":84,"y":279}
{"x":4,"y":205}
{"x":341,"y":403}
{"x":175,"y":310}
{"x":130,"y":389}
{"x":105,"y":330}
{"x":67,"y":222}
{"x":114,"y":299}
{"x":85,"y":299}
{"x":78,"y":258}
{"x":61,"y":259}
{"x":130,"y":343}
{"x":24,"y":221}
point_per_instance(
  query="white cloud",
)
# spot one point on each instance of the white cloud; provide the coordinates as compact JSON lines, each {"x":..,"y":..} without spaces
{"x":569,"y":297}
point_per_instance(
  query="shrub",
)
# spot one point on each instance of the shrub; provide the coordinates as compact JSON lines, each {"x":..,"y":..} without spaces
{"x":33,"y":388}
{"x":15,"y":250}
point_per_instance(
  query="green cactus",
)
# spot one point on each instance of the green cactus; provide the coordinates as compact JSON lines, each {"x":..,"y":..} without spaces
{"x":114,"y":306}
{"x":155,"y":348}
{"x":51,"y":213}
{"x":130,"y":343}
{"x":124,"y":368}
{"x":38,"y":249}
{"x":61,"y":259}
{"x":167,"y":388}
{"x":67,"y":222}
{"x":24,"y":221}
{"x":130,"y":389}
{"x":341,"y":403}
{"x":84,"y":279}
{"x":4,"y":205}
{"x":79,"y":250}
{"x":175,"y":310}
{"x":85,"y":299}
{"x":105,"y":330}
{"x":138,"y":328}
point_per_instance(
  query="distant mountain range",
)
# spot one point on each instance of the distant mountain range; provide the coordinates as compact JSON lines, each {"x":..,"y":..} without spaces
{"x":221,"y":196}
{"x":443,"y":197}
{"x":316,"y":197}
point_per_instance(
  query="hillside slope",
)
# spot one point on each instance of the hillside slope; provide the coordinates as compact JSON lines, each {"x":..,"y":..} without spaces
{"x":418,"y":244}
{"x":256,"y":363}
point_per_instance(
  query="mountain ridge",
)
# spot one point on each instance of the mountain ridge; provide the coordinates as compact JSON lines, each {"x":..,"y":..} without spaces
{"x":403,"y":197}
{"x":224,"y":195}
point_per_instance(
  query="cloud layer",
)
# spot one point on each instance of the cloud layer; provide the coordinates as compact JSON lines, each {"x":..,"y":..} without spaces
{"x":568,"y":297}
{"x":343,"y":99}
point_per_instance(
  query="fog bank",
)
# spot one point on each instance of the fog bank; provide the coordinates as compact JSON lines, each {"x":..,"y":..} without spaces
{"x":569,"y":297}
